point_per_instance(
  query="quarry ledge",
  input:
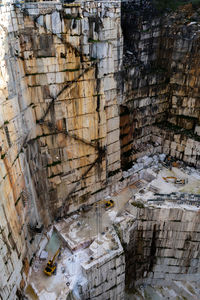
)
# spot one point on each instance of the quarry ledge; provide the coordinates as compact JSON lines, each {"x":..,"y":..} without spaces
{"x":154,"y":221}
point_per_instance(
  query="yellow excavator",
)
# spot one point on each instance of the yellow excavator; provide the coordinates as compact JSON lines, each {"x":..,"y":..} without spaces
{"x":108,"y":203}
{"x":52,"y":265}
{"x":174,"y":179}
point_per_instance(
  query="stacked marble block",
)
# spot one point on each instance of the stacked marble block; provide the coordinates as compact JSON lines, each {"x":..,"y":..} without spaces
{"x":106,"y":275}
{"x":11,"y":267}
{"x":161,"y":245}
{"x":178,"y":145}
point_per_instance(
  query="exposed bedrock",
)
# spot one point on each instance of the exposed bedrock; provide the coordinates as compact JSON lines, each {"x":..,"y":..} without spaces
{"x":160,"y":81}
{"x":161,"y":245}
{"x":59,"y":119}
{"x":85,"y":90}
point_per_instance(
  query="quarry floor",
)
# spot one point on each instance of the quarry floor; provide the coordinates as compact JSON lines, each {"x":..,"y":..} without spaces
{"x":87,"y":236}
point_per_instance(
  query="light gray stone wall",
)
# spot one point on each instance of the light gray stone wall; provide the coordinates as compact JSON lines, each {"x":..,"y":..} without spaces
{"x":161,"y":245}
{"x":179,"y":144}
{"x":106,"y":276}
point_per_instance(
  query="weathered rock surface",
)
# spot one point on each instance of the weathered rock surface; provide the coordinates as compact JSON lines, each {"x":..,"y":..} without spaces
{"x":58,"y":100}
{"x":160,"y":245}
{"x":159,"y":82}
{"x":74,"y":110}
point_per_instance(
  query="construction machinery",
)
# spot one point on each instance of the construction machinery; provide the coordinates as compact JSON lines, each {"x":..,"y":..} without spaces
{"x":174,"y":179}
{"x":108,"y":203}
{"x":52,"y":265}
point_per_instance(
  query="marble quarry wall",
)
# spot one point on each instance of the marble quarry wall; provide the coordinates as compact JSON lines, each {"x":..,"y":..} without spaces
{"x":106,"y":276}
{"x":175,"y":143}
{"x":160,"y":80}
{"x":86,"y":88}
{"x":59,"y":121}
{"x":161,"y":245}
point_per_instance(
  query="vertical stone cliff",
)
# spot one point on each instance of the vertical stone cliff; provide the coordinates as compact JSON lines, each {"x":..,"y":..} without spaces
{"x":159,"y":83}
{"x":86,"y":88}
{"x":59,"y":118}
{"x":161,"y":245}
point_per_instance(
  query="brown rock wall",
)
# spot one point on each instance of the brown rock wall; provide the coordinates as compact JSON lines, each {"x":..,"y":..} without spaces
{"x":58,"y":96}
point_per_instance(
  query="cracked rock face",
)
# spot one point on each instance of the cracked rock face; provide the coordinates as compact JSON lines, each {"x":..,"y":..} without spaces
{"x":161,"y":246}
{"x":159,"y":83}
{"x":85,"y":90}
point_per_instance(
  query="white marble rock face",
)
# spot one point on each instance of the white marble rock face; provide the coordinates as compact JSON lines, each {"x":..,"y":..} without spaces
{"x":75,"y":56}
